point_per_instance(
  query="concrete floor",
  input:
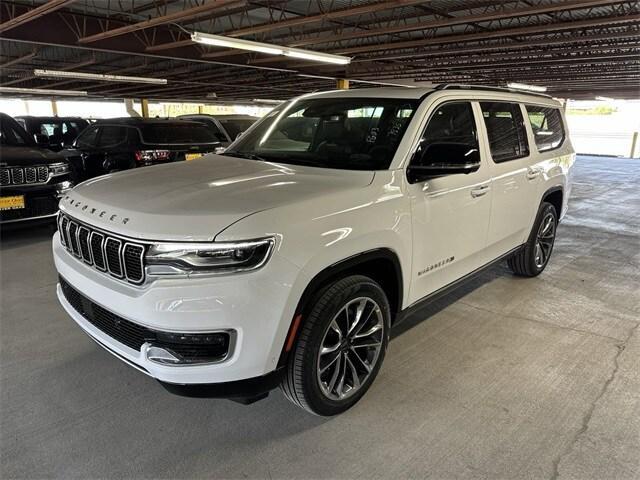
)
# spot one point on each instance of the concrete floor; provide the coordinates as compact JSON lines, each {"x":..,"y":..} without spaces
{"x":506,"y":378}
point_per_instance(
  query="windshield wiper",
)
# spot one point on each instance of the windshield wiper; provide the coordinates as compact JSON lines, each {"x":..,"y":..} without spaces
{"x":250,"y":156}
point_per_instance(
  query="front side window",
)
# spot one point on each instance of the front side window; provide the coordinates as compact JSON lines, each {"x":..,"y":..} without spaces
{"x":452,"y":125}
{"x":88,"y":138}
{"x":340,"y":133}
{"x":505,"y":130}
{"x":546,"y":123}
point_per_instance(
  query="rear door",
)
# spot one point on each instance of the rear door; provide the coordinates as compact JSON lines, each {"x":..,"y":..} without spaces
{"x":514,"y":178}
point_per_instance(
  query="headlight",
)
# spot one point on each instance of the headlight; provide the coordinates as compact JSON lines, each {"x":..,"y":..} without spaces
{"x":58,"y":169}
{"x":208,"y":258}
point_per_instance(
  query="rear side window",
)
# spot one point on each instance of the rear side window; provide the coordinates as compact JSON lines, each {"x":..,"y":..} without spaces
{"x":546,"y":123}
{"x":177,"y":134}
{"x":505,"y":130}
{"x":112,"y":135}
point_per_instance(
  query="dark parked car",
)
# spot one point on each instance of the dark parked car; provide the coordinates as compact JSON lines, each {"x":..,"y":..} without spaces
{"x":122,"y":143}
{"x":53,"y":133}
{"x":225,"y":127}
{"x":32,"y":179}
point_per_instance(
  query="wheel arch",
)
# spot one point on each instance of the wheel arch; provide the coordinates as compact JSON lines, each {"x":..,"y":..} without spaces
{"x":382,"y":265}
{"x":555,"y":196}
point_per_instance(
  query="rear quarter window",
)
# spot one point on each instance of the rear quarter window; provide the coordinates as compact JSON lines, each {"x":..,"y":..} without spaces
{"x":546,"y":124}
{"x":177,"y":134}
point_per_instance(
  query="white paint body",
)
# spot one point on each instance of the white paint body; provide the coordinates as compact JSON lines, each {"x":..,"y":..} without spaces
{"x":318,"y":217}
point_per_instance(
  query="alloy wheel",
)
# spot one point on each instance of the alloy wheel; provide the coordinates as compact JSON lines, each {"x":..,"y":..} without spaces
{"x":350,"y":348}
{"x":544,"y":240}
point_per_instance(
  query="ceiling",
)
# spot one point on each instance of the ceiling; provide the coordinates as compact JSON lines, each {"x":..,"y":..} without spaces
{"x":576,"y":48}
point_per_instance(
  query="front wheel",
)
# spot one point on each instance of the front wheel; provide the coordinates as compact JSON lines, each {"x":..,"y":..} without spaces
{"x":340,"y":348}
{"x":533,"y":258}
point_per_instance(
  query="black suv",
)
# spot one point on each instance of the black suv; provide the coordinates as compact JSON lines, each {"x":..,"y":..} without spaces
{"x":53,"y":133}
{"x":123,"y":143}
{"x":32,"y":179}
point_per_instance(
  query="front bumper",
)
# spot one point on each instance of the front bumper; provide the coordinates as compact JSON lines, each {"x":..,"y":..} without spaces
{"x":254,"y":305}
{"x":41,"y":201}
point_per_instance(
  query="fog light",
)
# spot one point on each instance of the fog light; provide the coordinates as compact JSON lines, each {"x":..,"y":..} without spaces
{"x":160,"y":355}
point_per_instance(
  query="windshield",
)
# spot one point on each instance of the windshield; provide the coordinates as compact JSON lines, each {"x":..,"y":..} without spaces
{"x":11,"y":134}
{"x":175,"y":133}
{"x":236,"y":126}
{"x":343,"y":133}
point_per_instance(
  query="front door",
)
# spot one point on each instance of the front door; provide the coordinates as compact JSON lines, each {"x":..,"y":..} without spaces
{"x":450,"y":213}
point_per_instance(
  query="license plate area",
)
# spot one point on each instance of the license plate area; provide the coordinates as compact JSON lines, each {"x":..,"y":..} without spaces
{"x":14,"y":202}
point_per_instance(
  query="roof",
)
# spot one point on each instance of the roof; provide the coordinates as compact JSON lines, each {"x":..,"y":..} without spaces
{"x":139,"y":121}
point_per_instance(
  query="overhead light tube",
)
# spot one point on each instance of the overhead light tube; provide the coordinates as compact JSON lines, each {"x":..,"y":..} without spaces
{"x":43,"y":91}
{"x":98,"y":76}
{"x":524,"y":86}
{"x":268,"y":48}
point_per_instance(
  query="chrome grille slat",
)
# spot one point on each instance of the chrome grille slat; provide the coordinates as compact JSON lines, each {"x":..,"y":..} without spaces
{"x":38,"y":174}
{"x":108,"y":253}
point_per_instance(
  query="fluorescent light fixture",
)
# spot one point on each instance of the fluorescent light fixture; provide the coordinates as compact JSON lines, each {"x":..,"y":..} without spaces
{"x":220,"y":41}
{"x":268,"y":48}
{"x":317,"y":56}
{"x":605,"y":99}
{"x":98,"y":76}
{"x":524,"y":86}
{"x":317,"y":76}
{"x":43,"y":91}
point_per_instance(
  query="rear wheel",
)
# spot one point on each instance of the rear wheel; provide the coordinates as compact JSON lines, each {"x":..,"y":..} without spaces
{"x":533,"y":258}
{"x":340,"y":348}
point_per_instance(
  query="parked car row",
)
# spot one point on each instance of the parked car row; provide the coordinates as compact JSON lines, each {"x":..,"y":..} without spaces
{"x":43,"y":157}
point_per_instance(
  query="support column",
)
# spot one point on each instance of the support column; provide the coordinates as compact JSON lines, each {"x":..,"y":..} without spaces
{"x":634,"y":144}
{"x":342,"y":84}
{"x":54,"y":107}
{"x":200,"y":109}
{"x":144,"y":103}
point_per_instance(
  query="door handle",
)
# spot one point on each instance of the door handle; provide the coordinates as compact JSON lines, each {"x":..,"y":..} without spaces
{"x":533,"y":173}
{"x":480,"y":191}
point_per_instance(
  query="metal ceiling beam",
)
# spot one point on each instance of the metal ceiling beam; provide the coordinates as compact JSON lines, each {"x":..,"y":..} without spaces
{"x":306,"y":20}
{"x":502,"y":32}
{"x":460,"y":20}
{"x":180,"y":16}
{"x":17,"y":60}
{"x":50,"y":6}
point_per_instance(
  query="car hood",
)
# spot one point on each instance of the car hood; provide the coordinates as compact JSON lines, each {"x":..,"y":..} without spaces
{"x":27,"y":155}
{"x":195,"y":200}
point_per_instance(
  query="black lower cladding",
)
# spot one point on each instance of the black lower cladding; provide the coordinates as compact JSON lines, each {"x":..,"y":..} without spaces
{"x":35,"y":206}
{"x":198,"y":347}
{"x":249,"y":389}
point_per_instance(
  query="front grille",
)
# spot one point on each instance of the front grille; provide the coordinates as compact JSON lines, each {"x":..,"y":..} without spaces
{"x":24,"y":175}
{"x":105,"y":252}
{"x":203,"y":347}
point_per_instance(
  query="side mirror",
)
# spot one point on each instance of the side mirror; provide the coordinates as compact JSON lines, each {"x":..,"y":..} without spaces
{"x":439,"y":159}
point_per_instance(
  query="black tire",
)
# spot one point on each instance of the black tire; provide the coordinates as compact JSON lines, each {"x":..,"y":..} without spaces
{"x":527,"y":261}
{"x":302,"y":381}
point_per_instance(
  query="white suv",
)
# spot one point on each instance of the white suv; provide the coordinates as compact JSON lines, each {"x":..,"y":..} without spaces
{"x":286,"y":261}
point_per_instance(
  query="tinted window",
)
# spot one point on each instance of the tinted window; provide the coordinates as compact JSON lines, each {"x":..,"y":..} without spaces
{"x":546,"y":123}
{"x":88,"y":138}
{"x":344,"y":133}
{"x":211,"y":125}
{"x":234,"y":127}
{"x":11,"y":134}
{"x":175,"y":133}
{"x":451,"y":123}
{"x":111,"y":135}
{"x":505,"y":130}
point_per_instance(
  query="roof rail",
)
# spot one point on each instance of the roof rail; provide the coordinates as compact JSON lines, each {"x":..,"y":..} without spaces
{"x":460,"y":86}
